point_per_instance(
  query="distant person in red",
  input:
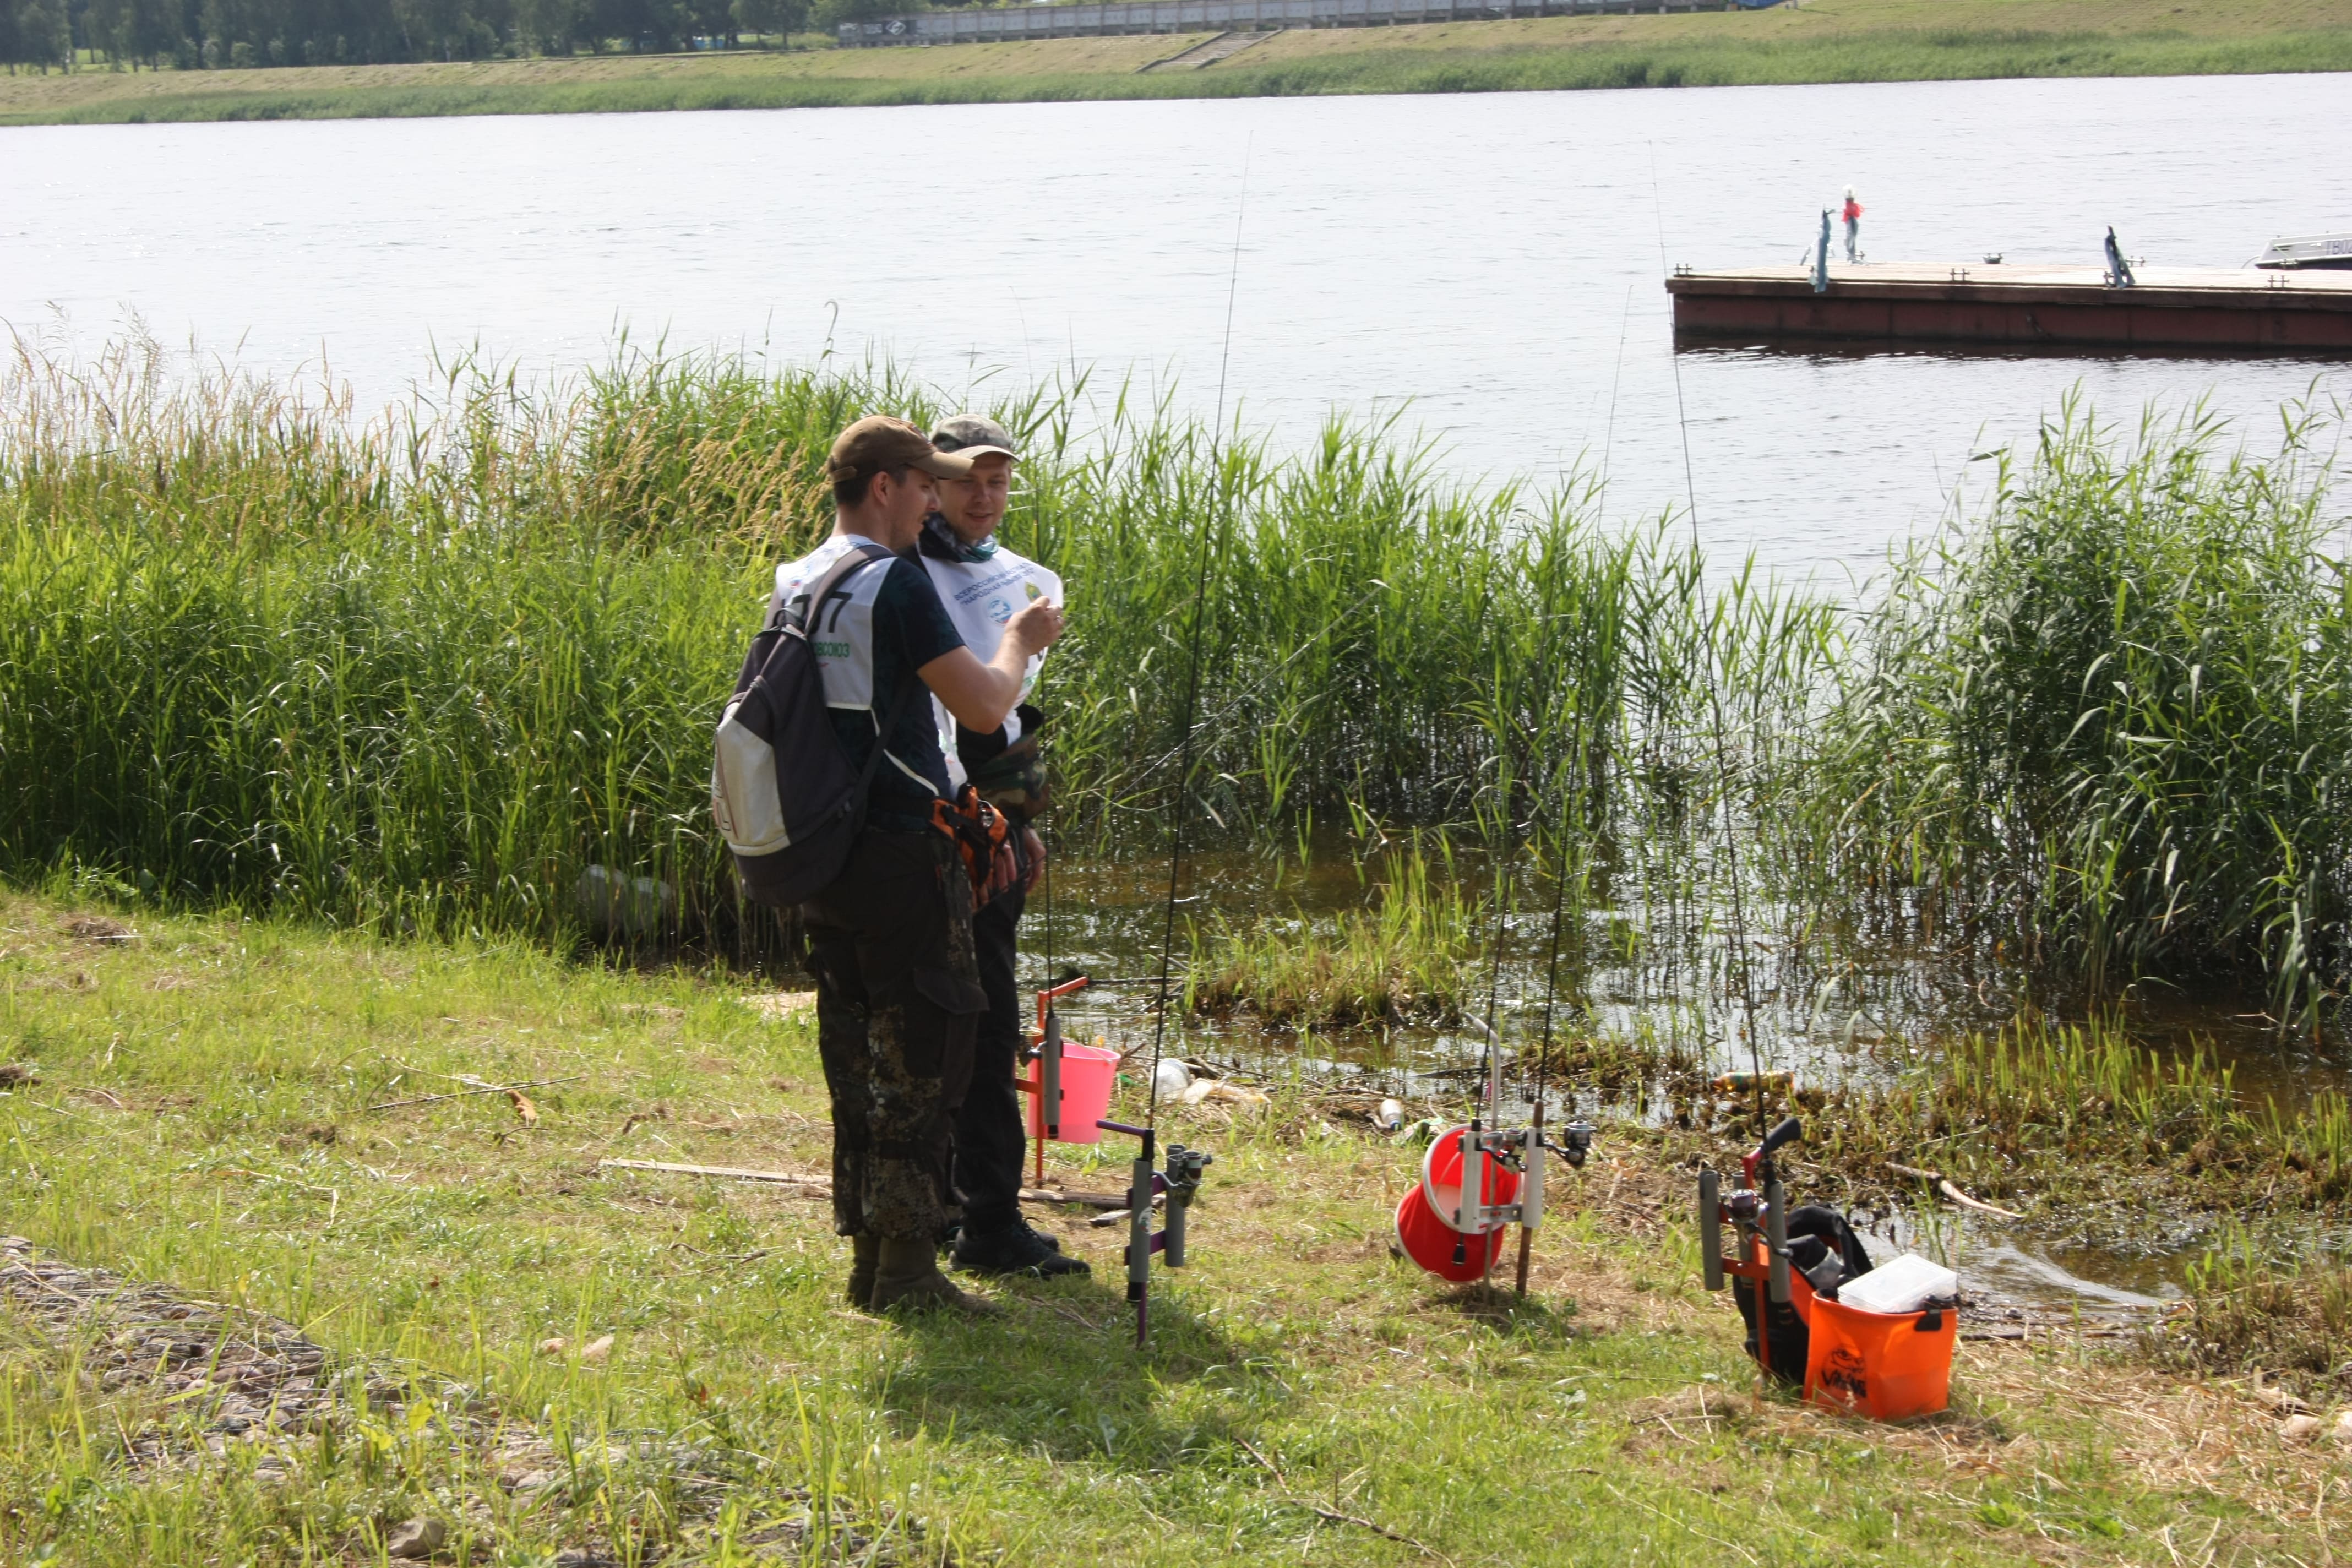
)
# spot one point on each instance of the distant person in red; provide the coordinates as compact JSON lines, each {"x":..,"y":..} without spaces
{"x":1852,"y":213}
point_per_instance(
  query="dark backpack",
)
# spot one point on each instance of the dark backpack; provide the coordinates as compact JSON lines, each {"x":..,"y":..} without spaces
{"x":787,"y":801}
{"x":1816,"y":1237}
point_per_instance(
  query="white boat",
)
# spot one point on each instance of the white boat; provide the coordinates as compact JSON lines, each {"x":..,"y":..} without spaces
{"x":2309,"y":250}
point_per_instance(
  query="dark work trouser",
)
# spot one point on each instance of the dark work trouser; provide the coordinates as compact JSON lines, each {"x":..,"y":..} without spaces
{"x":989,"y":1137}
{"x":897,"y":998}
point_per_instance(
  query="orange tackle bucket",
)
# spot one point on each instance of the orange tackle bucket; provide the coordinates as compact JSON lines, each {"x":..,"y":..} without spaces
{"x":1890,"y":1366}
{"x":1424,"y":1228}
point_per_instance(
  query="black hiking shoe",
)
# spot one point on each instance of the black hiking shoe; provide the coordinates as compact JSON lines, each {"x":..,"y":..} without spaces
{"x":1017,"y":1249}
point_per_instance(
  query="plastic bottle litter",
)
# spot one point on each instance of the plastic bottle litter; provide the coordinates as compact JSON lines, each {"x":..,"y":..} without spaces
{"x":1904,"y":1284}
{"x":1391,"y":1116}
{"x":1171,"y":1078}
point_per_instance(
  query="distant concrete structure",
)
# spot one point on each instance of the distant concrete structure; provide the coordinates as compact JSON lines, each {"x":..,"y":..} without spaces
{"x":975,"y":24}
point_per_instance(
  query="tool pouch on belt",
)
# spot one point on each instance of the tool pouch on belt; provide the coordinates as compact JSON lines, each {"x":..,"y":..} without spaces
{"x":1011,"y":778}
{"x":998,"y":856}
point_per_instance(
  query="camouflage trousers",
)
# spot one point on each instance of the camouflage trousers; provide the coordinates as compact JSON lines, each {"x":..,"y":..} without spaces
{"x":897,"y":1002}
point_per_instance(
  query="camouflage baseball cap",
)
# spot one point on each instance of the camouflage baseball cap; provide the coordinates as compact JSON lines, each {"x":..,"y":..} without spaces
{"x":973,"y":435}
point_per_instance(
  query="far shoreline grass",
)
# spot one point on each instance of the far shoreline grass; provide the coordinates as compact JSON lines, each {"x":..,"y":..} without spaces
{"x":1863,"y":41}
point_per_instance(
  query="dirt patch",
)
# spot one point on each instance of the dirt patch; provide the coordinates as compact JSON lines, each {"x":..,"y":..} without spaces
{"x":778,"y":1005}
{"x":253,"y":1380}
{"x":242,"y":1372}
{"x":97,"y":928}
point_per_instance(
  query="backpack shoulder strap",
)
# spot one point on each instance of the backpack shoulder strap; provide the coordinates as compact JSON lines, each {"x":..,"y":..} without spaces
{"x":825,"y":587}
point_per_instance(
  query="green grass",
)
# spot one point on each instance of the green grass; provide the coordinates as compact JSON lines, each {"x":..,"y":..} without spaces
{"x":200,"y":1121}
{"x":1414,"y":956}
{"x":2060,"y":1118}
{"x":2247,"y":1311}
{"x":1919,"y":57}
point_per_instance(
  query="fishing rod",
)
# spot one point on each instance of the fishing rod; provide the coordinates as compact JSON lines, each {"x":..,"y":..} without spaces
{"x":1472,"y":1193}
{"x":1579,"y":1135}
{"x":1757,"y":1212}
{"x":1181,"y":1179}
{"x":1488,"y":1174}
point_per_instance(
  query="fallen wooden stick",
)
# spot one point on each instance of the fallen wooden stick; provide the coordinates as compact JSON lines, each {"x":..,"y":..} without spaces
{"x":1116,"y":1216}
{"x":1944,"y":1185}
{"x":789,"y":1179}
{"x":482,"y":1089}
{"x":1077,"y":1200}
{"x":731,"y":1172}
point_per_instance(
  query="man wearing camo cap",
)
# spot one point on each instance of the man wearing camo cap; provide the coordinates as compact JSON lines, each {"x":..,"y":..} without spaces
{"x":983,"y":585}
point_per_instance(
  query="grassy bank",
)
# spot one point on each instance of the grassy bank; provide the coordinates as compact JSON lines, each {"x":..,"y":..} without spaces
{"x":203,"y":1122}
{"x":1858,"y":40}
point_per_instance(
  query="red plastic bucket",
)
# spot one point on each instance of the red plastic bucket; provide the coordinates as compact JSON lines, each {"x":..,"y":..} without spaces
{"x":1423,"y":1217}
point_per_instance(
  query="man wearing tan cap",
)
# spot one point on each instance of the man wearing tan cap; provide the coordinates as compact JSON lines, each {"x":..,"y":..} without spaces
{"x":890,"y":944}
{"x":982,"y":584}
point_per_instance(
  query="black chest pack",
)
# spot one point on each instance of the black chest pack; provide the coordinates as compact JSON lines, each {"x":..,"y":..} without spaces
{"x":788,"y":800}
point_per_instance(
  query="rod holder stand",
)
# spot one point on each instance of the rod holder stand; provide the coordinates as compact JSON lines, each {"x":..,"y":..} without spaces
{"x":1710,"y":1227}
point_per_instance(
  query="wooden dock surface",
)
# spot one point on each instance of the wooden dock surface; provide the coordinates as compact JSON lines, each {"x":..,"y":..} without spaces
{"x":2020,"y":306}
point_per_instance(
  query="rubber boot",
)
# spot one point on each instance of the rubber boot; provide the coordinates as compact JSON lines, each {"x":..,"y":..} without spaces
{"x":909,"y":1279}
{"x":865,"y":1257}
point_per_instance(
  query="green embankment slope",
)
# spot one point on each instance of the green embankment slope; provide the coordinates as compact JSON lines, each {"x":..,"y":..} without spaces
{"x":1841,"y":41}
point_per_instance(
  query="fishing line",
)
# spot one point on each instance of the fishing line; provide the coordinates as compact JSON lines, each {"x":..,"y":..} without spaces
{"x":1624,"y":320}
{"x":1494,"y":977}
{"x":1227,"y":711}
{"x":1714,"y":696}
{"x":1211,"y":542}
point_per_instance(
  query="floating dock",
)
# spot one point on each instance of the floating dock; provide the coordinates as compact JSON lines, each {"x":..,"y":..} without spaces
{"x":1994,"y":306}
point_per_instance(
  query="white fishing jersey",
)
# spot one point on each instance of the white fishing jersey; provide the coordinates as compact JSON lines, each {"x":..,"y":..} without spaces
{"x":981,"y":597}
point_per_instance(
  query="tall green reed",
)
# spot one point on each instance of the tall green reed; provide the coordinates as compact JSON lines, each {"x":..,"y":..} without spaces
{"x":426,"y":669}
{"x":2107,"y":726}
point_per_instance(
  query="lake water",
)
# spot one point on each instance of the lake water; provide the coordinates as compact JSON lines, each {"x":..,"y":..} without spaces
{"x":1488,"y":265}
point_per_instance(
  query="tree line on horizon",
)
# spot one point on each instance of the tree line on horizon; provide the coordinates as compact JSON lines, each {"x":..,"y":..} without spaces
{"x":234,"y":35}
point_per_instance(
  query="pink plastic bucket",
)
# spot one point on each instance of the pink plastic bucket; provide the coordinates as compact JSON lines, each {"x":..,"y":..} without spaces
{"x":1089,"y":1074}
{"x":1424,"y":1224}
